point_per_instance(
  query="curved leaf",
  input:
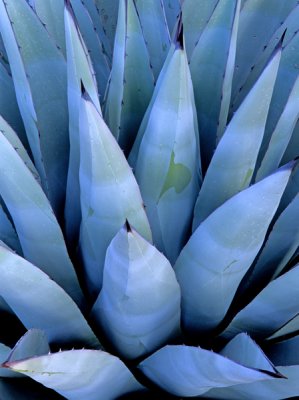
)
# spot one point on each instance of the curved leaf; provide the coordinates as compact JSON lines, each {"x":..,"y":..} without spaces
{"x":221,"y":250}
{"x":39,"y":75}
{"x":233,"y":163}
{"x":80,"y":374}
{"x":109,"y":193}
{"x":285,"y":352}
{"x":38,"y":230}
{"x":192,"y":371}
{"x":131,"y":82}
{"x":167,"y":167}
{"x":139,"y":304}
{"x":33,"y":343}
{"x":270,"y":310}
{"x":40,"y":303}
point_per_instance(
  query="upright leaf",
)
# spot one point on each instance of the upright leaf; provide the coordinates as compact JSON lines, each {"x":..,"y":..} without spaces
{"x":172,"y":11}
{"x":168,"y":168}
{"x":80,"y":71}
{"x":80,"y":374}
{"x":39,"y":75}
{"x":221,"y":250}
{"x":212,"y":66}
{"x":40,"y":303}
{"x":108,"y":13}
{"x":131,"y":81}
{"x":38,"y":230}
{"x":33,"y":343}
{"x":233,"y":162}
{"x":109,"y":193}
{"x":139,"y":304}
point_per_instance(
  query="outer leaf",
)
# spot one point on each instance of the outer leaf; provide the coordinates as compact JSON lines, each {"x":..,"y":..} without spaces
{"x":241,"y":141}
{"x":212,"y":66}
{"x":33,"y":343}
{"x":40,"y":303}
{"x":271,"y":309}
{"x":7,"y":232}
{"x":38,"y":230}
{"x":281,"y":135}
{"x":169,"y":156}
{"x":80,"y":374}
{"x":108,"y":13}
{"x":131,"y":81}
{"x":80,"y":71}
{"x":195,"y":20}
{"x":109,"y":193}
{"x":192,"y":371}
{"x":93,"y":44}
{"x":285,"y":352}
{"x":221,"y":250}
{"x":39,"y":74}
{"x":155,"y":31}
{"x":243,"y":350}
{"x":139,"y":304}
{"x":4,"y":373}
{"x":172,"y":11}
{"x":291,"y":327}
{"x":50,"y":13}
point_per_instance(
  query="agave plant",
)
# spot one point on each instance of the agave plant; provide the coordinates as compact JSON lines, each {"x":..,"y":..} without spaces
{"x":149,"y":199}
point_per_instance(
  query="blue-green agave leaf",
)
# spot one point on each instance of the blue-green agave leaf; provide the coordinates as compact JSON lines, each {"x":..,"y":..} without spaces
{"x":33,"y":343}
{"x":139,"y":305}
{"x":50,"y":12}
{"x":7,"y":232}
{"x":172,"y":10}
{"x":291,"y":327}
{"x":109,"y":193}
{"x":221,"y":250}
{"x":131,"y":82}
{"x":212,"y":66}
{"x":39,"y":75}
{"x":233,"y":162}
{"x":168,"y":164}
{"x":80,"y":374}
{"x":80,"y":71}
{"x":272,"y":308}
{"x":191,"y":371}
{"x":285,"y":352}
{"x":155,"y":30}
{"x":195,"y":19}
{"x":95,"y":47}
{"x":259,"y":22}
{"x":4,"y":372}
{"x":38,"y":230}
{"x":8,"y":105}
{"x":281,"y":135}
{"x":243,"y":350}
{"x":108,"y":11}
{"x":40,"y":303}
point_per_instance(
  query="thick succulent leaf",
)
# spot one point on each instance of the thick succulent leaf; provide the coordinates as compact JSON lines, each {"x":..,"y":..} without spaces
{"x":7,"y":232}
{"x":259,"y":20}
{"x":109,"y":193}
{"x":39,"y":75}
{"x":80,"y":374}
{"x":172,"y":11}
{"x":155,"y":30}
{"x":290,"y":327}
{"x":94,"y":13}
{"x":221,"y":250}
{"x":285,"y":352}
{"x":4,"y":373}
{"x":33,"y":343}
{"x":80,"y":71}
{"x":271,"y":309}
{"x":108,"y":11}
{"x":281,"y":244}
{"x":233,"y":163}
{"x":50,"y":13}
{"x":243,"y":350}
{"x":25,"y":389}
{"x":212,"y":67}
{"x":275,"y":389}
{"x":169,"y":157}
{"x":135,"y":149}
{"x":281,"y":134}
{"x":38,"y":230}
{"x":93,"y":44}
{"x":195,"y":20}
{"x":8,"y":104}
{"x":131,"y":82}
{"x":192,"y":371}
{"x":40,"y":303}
{"x":139,"y":304}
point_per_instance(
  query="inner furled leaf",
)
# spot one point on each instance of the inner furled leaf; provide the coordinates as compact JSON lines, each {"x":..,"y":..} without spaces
{"x":178,"y":177}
